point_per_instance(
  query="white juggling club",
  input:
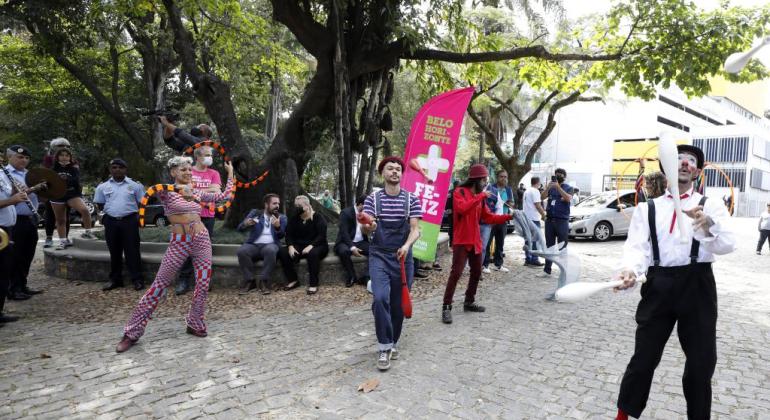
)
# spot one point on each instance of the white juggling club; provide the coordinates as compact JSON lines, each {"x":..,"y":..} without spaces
{"x":580,"y":290}
{"x":737,"y":61}
{"x":668,"y":156}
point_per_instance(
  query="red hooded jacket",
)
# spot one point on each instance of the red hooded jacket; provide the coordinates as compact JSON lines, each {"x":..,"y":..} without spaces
{"x":468,"y":209}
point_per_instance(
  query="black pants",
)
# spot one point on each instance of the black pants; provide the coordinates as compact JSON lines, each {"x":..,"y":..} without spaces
{"x":25,"y":242}
{"x":313,"y":257}
{"x":498,"y":234}
{"x":555,"y":229}
{"x":50,"y":219}
{"x":6,"y":262}
{"x":186,"y":272}
{"x":763,"y":235}
{"x":122,"y":236}
{"x":685,"y":296}
{"x":343,"y":251}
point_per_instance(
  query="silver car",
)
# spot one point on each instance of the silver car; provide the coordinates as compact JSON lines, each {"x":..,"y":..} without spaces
{"x":602,"y":216}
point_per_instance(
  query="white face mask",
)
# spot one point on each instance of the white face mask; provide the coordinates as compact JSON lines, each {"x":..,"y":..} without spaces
{"x":208,"y":160}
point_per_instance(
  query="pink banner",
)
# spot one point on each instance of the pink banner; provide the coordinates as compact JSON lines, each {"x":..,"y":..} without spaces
{"x":429,"y":156}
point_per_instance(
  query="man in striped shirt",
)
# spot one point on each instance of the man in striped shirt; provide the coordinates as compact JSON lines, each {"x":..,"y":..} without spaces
{"x":397,"y":213}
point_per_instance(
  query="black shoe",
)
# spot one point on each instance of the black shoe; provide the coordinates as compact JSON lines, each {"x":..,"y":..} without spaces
{"x":181,"y":288}
{"x":363,"y":280}
{"x":473,"y":307}
{"x":112,"y":285}
{"x":264,"y":287}
{"x":28,"y":291}
{"x":446,"y":314}
{"x":138,"y":285}
{"x":8,"y":318}
{"x":436,"y":267}
{"x":247,"y":287}
{"x":350,"y":281}
{"x":18,"y":296}
{"x":420,"y":275}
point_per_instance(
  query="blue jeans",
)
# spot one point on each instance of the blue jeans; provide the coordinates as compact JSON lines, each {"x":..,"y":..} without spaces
{"x":486,"y":232}
{"x":530,"y":257}
{"x":555,"y":229}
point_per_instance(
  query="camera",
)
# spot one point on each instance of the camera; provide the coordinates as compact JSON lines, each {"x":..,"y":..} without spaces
{"x":553,"y":178}
{"x":170,"y":114}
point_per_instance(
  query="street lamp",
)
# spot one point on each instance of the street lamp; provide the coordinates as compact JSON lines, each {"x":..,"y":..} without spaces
{"x":736,"y":61}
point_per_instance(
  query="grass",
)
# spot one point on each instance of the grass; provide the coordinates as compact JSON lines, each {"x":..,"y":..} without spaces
{"x":222,"y":235}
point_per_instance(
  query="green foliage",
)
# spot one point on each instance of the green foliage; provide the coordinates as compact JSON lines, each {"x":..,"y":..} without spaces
{"x":674,"y":42}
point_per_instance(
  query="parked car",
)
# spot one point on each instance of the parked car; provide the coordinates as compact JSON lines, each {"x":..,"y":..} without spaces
{"x":74,"y":216}
{"x":602,"y":216}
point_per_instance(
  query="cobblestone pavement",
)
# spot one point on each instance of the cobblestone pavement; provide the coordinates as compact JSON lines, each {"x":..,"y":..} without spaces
{"x":523,"y":358}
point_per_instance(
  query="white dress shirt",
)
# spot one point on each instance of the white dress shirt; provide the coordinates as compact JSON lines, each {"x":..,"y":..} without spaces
{"x":359,"y":236}
{"x":637,"y":251}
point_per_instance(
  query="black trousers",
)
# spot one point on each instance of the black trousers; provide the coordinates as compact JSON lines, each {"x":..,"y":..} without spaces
{"x":6,"y":262}
{"x":122,"y":236}
{"x":685,"y":296}
{"x":313,"y":257}
{"x":342,"y":250}
{"x":186,"y":272}
{"x":25,"y":242}
{"x":498,"y":234}
{"x":763,"y":235}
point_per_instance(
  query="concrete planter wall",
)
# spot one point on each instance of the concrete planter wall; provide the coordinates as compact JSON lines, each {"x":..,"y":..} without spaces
{"x":89,"y":260}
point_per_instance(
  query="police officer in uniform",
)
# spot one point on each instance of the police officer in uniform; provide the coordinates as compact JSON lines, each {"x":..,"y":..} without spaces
{"x":25,"y":231}
{"x":119,"y":198}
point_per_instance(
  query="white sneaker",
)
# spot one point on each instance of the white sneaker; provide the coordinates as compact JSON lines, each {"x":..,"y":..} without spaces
{"x":394,"y":354}
{"x":61,"y":245}
{"x":486,"y":270}
{"x":501,"y":269}
{"x":542,"y":275}
{"x":383,"y":361}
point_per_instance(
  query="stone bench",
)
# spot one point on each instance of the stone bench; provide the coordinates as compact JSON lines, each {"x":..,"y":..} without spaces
{"x":89,"y":260}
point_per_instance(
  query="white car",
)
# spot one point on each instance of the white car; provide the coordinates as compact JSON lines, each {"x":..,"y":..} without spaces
{"x":602,"y":216}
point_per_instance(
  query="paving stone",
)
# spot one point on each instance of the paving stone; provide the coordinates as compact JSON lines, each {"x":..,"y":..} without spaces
{"x":523,"y":358}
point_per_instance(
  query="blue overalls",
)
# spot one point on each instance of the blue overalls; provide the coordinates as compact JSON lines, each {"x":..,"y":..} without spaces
{"x":385,"y":273}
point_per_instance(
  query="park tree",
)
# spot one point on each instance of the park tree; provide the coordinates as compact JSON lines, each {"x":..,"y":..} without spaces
{"x":356,"y":46}
{"x":517,"y":101}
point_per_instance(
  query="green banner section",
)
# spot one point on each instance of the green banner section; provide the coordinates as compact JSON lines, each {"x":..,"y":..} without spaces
{"x":425,"y":248}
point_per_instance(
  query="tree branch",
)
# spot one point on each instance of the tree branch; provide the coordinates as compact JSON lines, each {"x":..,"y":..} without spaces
{"x":549,"y":126}
{"x":489,"y":135}
{"x":312,"y":35}
{"x":537,"y":51}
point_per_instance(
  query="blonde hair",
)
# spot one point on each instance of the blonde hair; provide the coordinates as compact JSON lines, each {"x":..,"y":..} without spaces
{"x":177,"y":161}
{"x":305,"y":200}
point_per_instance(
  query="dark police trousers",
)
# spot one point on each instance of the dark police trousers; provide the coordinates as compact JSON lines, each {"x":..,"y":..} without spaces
{"x":122,"y":236}
{"x":25,"y":241}
{"x":685,"y":296}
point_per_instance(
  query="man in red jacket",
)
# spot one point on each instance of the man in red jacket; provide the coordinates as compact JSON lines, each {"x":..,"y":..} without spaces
{"x":467,"y":212}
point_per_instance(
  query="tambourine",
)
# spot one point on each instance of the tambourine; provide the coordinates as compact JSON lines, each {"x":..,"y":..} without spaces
{"x":4,"y":241}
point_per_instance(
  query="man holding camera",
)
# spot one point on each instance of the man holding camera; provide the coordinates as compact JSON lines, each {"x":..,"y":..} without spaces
{"x":559,"y":195}
{"x":178,"y":139}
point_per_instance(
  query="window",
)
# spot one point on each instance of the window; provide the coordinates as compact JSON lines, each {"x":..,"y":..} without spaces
{"x":724,"y":149}
{"x":674,"y":124}
{"x":737,"y":176}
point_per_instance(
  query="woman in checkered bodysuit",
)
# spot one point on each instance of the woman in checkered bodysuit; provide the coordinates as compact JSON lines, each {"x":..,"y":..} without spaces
{"x":189,"y":237}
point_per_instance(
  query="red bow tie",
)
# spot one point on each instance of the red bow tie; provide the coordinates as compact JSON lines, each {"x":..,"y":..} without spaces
{"x":673,"y":217}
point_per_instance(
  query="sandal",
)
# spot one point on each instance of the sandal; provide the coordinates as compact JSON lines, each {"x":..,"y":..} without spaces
{"x":292,"y":285}
{"x":312,"y":290}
